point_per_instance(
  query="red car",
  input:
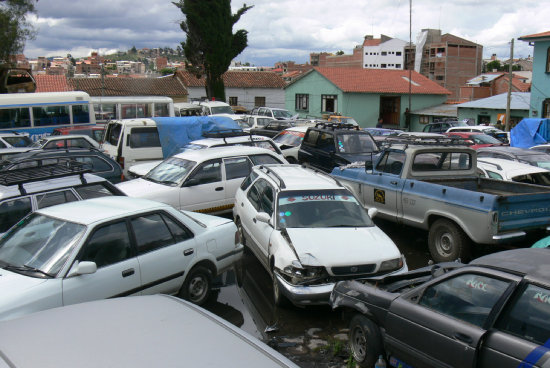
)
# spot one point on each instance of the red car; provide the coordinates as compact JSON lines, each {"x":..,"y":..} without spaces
{"x":93,"y":131}
{"x":476,"y":140}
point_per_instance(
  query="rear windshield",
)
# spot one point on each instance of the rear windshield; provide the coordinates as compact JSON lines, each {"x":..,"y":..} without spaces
{"x":19,"y":141}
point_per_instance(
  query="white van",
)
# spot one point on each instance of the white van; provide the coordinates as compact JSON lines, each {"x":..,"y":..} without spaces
{"x":216,"y":108}
{"x":132,"y":141}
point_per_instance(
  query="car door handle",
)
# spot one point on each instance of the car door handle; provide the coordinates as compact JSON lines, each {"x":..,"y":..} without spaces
{"x":462,"y":337}
{"x":393,"y":182}
{"x":254,"y":220}
{"x":188,"y":252}
{"x":128,"y":272}
{"x":218,"y":189}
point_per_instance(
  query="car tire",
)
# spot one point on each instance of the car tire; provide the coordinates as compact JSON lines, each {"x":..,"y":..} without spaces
{"x":278,"y":297}
{"x":291,"y":160}
{"x":197,"y":287}
{"x":447,"y":242}
{"x":365,"y":341}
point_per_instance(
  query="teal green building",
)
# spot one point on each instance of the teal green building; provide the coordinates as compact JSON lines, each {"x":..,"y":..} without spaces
{"x":364,"y":94}
{"x":540,"y":81}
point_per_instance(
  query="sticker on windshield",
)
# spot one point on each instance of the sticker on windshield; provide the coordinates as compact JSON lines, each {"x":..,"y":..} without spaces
{"x":541,"y":297}
{"x":475,"y":284}
{"x":380,"y":196}
{"x":316,"y":198}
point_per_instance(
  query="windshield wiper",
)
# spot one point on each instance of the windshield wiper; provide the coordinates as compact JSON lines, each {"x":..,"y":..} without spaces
{"x":27,"y":268}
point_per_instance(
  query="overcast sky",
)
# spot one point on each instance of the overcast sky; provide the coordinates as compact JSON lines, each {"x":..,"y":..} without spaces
{"x":285,"y":30}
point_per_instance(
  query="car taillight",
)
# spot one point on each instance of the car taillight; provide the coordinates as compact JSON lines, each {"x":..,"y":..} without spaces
{"x":120,"y":161}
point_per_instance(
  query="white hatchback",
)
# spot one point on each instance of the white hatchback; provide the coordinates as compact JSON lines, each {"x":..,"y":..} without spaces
{"x":309,"y":232}
{"x":200,"y":180}
{"x":109,"y":247}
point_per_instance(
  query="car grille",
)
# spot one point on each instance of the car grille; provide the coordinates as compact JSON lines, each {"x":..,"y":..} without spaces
{"x":353,"y":270}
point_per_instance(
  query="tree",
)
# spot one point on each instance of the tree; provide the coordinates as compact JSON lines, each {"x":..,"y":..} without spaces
{"x":494,"y":65}
{"x":341,"y":52}
{"x":15,"y":30}
{"x":210,"y":43}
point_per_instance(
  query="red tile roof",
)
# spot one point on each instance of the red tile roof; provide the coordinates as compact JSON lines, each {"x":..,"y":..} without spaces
{"x":536,"y":35}
{"x":167,"y":86}
{"x":237,"y":79}
{"x":380,"y":81}
{"x":51,"y":83}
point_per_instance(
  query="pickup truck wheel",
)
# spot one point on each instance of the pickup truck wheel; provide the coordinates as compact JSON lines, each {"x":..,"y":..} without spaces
{"x":447,"y":242}
{"x":197,"y":286}
{"x":364,"y":340}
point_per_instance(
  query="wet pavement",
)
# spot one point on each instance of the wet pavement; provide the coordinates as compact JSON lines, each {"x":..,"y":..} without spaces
{"x":312,"y":336}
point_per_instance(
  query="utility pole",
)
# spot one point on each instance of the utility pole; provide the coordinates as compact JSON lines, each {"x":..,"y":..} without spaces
{"x":510,"y":75}
{"x":407,"y":116}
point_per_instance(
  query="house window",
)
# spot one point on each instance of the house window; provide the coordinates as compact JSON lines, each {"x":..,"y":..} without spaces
{"x":259,"y":101}
{"x":383,"y":53}
{"x":233,"y":101}
{"x":329,"y":103}
{"x":439,"y":77}
{"x":398,"y":66}
{"x":546,"y":109}
{"x":548,"y":60}
{"x":424,"y":119}
{"x":398,"y":53}
{"x":302,"y":102}
{"x":382,"y":65}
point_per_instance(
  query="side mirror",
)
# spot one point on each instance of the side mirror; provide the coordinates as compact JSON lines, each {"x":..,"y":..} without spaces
{"x":263,"y":217}
{"x":83,"y":268}
{"x":372,"y":212}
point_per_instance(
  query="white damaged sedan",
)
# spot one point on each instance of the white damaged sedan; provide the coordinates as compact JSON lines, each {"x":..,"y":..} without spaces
{"x":310,"y":232}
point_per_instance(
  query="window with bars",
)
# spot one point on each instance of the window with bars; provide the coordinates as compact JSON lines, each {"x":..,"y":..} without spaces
{"x":302,"y":102}
{"x":329,"y":103}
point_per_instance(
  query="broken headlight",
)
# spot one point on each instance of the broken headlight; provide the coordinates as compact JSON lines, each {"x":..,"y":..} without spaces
{"x":298,"y":274}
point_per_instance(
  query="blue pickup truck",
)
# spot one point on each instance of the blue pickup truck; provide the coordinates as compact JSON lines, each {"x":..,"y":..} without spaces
{"x":436,"y":187}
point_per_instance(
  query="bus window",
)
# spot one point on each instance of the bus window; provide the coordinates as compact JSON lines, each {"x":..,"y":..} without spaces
{"x":161,"y":109}
{"x":51,"y":115}
{"x":81,"y":114}
{"x":15,"y":118}
{"x":105,"y":111}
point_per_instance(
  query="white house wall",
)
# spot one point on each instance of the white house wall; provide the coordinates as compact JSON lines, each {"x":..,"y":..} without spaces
{"x":274,"y":97}
{"x":394,"y":58}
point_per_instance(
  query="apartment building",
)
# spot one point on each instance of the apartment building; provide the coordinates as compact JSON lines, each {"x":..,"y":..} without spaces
{"x":383,"y":53}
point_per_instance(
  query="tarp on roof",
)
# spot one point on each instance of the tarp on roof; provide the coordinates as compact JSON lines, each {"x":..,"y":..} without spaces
{"x":529,"y":132}
{"x":174,"y":133}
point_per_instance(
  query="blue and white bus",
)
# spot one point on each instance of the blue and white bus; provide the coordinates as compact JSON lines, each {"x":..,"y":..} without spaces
{"x":38,"y":114}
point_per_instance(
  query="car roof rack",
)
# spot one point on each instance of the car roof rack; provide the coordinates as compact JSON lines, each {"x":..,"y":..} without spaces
{"x":32,"y":174}
{"x":268,"y":171}
{"x":424,"y":141}
{"x":334,"y":126}
{"x":232,"y":133}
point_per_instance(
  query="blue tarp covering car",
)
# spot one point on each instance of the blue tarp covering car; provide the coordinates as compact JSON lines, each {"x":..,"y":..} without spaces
{"x":176,"y":132}
{"x":529,"y":132}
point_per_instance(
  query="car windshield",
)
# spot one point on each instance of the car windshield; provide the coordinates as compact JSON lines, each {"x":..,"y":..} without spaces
{"x":193,"y":147}
{"x":356,"y":143}
{"x":484,"y":139}
{"x":171,"y":171}
{"x":348,"y":121}
{"x":39,"y":143}
{"x":541,"y":160}
{"x":320,"y":208}
{"x":222,"y":110}
{"x":19,"y":141}
{"x":281,"y":114}
{"x":39,"y":244}
{"x":289,"y":138}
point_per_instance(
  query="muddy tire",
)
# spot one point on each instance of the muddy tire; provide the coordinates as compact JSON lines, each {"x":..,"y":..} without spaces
{"x":279,"y":299}
{"x":447,"y":242}
{"x":365,"y":341}
{"x":197,"y":287}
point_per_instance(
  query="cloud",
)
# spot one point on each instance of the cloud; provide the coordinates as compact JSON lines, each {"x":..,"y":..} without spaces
{"x":286,"y":29}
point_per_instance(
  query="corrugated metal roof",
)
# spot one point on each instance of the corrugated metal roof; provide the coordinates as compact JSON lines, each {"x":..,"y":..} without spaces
{"x":448,"y":110}
{"x":519,"y":101}
{"x":484,"y":78}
